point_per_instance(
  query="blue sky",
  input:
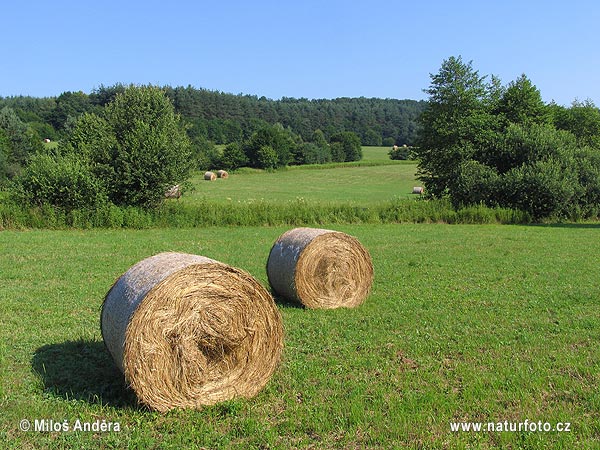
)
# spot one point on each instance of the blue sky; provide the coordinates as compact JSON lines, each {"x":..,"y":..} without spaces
{"x":313,"y":49}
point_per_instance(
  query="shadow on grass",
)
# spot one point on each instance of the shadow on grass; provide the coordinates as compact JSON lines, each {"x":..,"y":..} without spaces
{"x":82,"y":370}
{"x":574,"y":226}
{"x":284,"y":302}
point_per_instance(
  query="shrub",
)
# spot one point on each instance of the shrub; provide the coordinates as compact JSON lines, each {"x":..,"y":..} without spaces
{"x":399,"y":153}
{"x":233,"y":156}
{"x":309,"y":153}
{"x":543,"y":189}
{"x":476,"y":183}
{"x":65,"y":181}
{"x":266,"y":157}
{"x":347,"y":146}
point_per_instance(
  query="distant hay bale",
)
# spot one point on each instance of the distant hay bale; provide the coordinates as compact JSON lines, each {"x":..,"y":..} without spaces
{"x":320,"y":268}
{"x":222,"y":174}
{"x":189,"y":331}
{"x":173,"y":192}
{"x":418,"y":190}
{"x":210,"y":176}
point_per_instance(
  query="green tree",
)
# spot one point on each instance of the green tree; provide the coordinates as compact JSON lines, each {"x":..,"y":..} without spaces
{"x":93,"y":138}
{"x":266,"y":157}
{"x":583,"y":120}
{"x":280,"y":140}
{"x":233,"y":156}
{"x":69,"y":105}
{"x":455,"y":123}
{"x":153,"y":149}
{"x":521,"y":103}
{"x":372,"y":137}
{"x":347,"y":146}
{"x":19,"y":142}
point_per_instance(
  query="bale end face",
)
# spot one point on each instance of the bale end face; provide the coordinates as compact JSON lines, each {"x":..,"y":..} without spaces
{"x":188,"y":331}
{"x":320,"y":268}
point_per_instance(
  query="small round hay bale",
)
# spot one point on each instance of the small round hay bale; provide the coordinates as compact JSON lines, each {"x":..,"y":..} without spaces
{"x":222,"y":174}
{"x":210,"y":176}
{"x":418,"y":190}
{"x":189,"y":331}
{"x":320,"y":268}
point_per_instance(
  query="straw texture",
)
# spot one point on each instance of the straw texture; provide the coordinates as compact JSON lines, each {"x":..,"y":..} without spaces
{"x":189,"y":331}
{"x":320,"y":268}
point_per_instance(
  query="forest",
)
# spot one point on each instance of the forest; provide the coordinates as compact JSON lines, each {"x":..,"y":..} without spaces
{"x":223,"y":118}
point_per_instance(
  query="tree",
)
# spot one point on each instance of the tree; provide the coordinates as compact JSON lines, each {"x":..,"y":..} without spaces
{"x":233,"y":156}
{"x":266,"y":157}
{"x":153,"y":149}
{"x":280,"y":140}
{"x":521,"y":103}
{"x":137,"y":149}
{"x":456,"y":122}
{"x":19,"y":142}
{"x":347,"y":146}
{"x":69,"y":105}
{"x":583,"y":120}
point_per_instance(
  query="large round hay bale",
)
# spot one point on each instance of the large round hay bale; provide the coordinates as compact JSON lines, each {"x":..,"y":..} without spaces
{"x":320,"y":268}
{"x":189,"y":331}
{"x":210,"y":176}
{"x":222,"y":174}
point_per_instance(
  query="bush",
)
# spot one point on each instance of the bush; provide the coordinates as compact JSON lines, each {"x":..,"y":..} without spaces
{"x":347,"y":146}
{"x":543,"y":189}
{"x":65,"y":181}
{"x":309,"y":153}
{"x":399,"y":153}
{"x":476,"y":183}
{"x":233,"y":157}
{"x":266,"y":157}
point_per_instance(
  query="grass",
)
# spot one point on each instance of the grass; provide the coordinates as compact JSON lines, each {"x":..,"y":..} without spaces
{"x":464,"y":323}
{"x":360,"y":185}
{"x":374,"y":179}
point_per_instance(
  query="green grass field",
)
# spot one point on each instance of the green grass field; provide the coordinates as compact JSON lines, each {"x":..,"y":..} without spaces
{"x":465,"y":323}
{"x":374,"y":179}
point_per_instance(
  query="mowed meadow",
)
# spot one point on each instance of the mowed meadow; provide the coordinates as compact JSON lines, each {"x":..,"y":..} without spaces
{"x":465,"y":323}
{"x":375,"y":178}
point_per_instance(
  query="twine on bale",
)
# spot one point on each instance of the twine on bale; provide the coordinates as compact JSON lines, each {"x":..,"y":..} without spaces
{"x":320,"y":268}
{"x":188,"y":331}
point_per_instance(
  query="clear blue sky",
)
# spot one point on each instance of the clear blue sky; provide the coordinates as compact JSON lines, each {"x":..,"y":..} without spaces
{"x":313,"y":49}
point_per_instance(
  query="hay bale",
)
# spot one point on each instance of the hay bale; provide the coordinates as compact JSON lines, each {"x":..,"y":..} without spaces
{"x":320,"y":268}
{"x":173,"y":192}
{"x":222,"y":174}
{"x":418,"y":190}
{"x":210,"y":176}
{"x":189,"y":331}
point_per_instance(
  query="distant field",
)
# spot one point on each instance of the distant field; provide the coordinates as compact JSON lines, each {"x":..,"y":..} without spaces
{"x":357,"y":183}
{"x":465,"y":323}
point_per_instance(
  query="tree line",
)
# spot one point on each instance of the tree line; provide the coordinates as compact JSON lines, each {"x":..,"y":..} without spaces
{"x":224,"y":118}
{"x":484,"y":143}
